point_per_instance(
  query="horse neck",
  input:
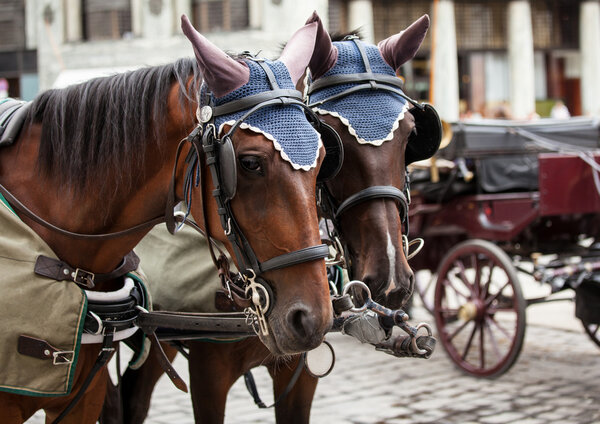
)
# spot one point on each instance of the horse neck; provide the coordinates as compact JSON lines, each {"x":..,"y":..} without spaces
{"x":91,"y":212}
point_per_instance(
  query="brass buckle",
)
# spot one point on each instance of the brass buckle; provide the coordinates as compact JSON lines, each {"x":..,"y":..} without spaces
{"x":84,"y":278}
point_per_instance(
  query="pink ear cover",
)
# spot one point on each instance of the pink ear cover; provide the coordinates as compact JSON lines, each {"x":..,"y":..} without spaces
{"x":221,"y":73}
{"x":299,"y":50}
{"x":325,"y":54}
{"x":402,"y":47}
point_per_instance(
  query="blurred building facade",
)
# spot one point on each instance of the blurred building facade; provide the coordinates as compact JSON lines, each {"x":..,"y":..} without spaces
{"x":479,"y":55}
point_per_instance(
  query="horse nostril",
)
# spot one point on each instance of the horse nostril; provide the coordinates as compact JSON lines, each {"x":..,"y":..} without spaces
{"x":300,"y":322}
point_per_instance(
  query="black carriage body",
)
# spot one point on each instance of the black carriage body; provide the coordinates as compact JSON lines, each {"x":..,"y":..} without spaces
{"x":522,"y":195}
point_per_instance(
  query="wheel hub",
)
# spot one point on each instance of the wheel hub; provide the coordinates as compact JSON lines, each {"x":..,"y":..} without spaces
{"x":467,"y":312}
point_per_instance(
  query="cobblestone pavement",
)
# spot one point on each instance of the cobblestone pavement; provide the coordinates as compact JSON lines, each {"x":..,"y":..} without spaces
{"x":555,"y":380}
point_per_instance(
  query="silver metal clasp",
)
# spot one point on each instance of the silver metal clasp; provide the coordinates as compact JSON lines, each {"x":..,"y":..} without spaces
{"x":256,"y":292}
{"x":61,"y":357}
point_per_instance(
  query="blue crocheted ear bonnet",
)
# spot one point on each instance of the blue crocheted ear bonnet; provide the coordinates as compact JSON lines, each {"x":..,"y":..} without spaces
{"x":286,"y":126}
{"x":371,"y":116}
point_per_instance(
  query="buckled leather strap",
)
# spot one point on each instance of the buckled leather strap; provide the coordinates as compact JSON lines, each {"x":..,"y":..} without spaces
{"x":61,"y":271}
{"x":105,"y":354}
{"x":41,"y":349}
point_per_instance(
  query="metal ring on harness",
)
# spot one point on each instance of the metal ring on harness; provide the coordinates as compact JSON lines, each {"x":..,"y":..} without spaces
{"x":407,"y":244}
{"x":362,"y":286}
{"x":413,"y":341}
{"x":261,"y":295}
{"x":319,"y":362}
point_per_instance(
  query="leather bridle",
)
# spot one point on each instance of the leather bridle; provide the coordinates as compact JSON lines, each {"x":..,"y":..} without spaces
{"x":205,"y":139}
{"x":325,"y":200}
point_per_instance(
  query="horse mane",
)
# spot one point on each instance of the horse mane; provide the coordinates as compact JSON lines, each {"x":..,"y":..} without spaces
{"x":339,"y":36}
{"x":94,"y":130}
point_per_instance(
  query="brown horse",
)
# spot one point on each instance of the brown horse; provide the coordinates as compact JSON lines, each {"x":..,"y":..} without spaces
{"x":371,"y":225}
{"x":99,"y":157}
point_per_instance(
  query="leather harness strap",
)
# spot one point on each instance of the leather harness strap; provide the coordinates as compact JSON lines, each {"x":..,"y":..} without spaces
{"x":61,"y":271}
{"x":18,"y":205}
{"x":187,"y":321}
{"x":375,"y":192}
{"x":105,"y":354}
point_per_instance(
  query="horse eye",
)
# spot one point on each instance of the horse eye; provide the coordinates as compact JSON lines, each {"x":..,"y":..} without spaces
{"x":251,"y":164}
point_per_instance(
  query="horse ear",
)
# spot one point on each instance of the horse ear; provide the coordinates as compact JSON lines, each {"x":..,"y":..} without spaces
{"x":221,"y":73}
{"x":325,"y":54}
{"x":298,"y":51}
{"x":402,"y":47}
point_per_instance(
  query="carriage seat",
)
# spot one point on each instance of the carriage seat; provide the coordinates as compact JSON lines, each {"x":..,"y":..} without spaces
{"x":12,"y":118}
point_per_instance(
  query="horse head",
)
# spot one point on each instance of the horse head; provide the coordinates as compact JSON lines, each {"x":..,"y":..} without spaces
{"x":261,"y":188}
{"x":355,"y":89}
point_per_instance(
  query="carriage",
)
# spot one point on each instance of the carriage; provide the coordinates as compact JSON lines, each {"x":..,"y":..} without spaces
{"x":505,"y":201}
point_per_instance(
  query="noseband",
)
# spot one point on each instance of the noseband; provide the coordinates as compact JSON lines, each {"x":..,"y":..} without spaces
{"x":220,"y":158}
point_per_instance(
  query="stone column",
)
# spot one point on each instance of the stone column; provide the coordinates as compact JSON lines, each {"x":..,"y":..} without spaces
{"x":444,"y":81}
{"x":360,"y":15}
{"x":137,"y":18}
{"x":50,"y":21}
{"x":32,"y":12}
{"x":157,"y":19}
{"x":589,"y":41}
{"x":181,"y":7}
{"x":72,"y":11}
{"x":520,"y":59}
{"x":281,"y":18}
{"x":255,"y":9}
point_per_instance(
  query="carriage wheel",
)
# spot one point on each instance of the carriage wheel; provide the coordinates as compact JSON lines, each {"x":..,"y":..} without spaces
{"x":479,"y":308}
{"x":592,"y":330}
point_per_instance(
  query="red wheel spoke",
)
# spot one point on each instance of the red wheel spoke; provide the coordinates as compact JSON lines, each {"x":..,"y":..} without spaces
{"x":448,"y":311}
{"x":493,"y":338}
{"x":458,"y":330}
{"x":486,"y":288}
{"x":462,"y":276}
{"x":499,"y":327}
{"x":481,"y":346}
{"x":477,"y":265}
{"x":450,"y":285}
{"x":489,"y":300}
{"x":468,"y":346}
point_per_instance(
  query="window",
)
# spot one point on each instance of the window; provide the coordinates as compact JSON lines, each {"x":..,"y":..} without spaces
{"x":12,"y":25}
{"x":391,"y":17}
{"x":106,"y":19}
{"x":555,"y":24}
{"x":480,"y":25}
{"x":220,"y":15}
{"x":336,"y":14}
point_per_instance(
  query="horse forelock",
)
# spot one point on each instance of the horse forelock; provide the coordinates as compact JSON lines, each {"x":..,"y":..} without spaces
{"x":97,"y":132}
